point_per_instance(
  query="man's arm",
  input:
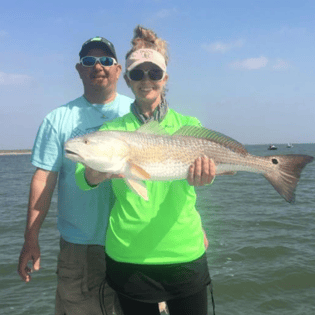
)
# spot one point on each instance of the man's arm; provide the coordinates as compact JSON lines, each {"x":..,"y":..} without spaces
{"x":42,"y":187}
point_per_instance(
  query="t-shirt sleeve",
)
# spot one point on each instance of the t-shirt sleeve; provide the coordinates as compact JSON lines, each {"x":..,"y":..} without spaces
{"x":47,"y":149}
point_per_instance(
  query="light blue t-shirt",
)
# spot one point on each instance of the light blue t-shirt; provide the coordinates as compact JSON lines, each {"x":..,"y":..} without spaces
{"x":82,"y":215}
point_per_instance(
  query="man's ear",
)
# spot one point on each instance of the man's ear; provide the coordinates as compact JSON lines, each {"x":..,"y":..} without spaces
{"x":78,"y":66}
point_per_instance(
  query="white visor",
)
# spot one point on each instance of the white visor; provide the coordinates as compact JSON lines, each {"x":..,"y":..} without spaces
{"x":145,"y":55}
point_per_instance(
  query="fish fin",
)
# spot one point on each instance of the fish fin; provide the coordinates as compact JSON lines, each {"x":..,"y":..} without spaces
{"x":287,"y":176}
{"x":138,"y":171}
{"x":152,"y":127}
{"x":137,"y":187}
{"x":208,"y":134}
{"x":226,"y":173}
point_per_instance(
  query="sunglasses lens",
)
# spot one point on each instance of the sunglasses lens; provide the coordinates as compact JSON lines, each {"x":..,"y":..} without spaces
{"x":136,"y":75}
{"x":88,"y":61}
{"x":107,"y":61}
{"x":156,"y":74}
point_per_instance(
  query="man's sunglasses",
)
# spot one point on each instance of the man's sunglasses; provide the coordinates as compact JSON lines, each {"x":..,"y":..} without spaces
{"x":90,"y":61}
{"x":138,"y":74}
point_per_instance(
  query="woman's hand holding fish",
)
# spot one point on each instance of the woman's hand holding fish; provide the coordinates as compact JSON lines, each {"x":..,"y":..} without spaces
{"x":94,"y":177}
{"x":202,"y":172}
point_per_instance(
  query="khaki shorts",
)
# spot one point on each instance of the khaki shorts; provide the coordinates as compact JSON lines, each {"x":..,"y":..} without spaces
{"x":80,"y":271}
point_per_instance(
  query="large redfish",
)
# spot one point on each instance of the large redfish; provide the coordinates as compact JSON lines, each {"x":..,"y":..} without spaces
{"x":149,"y":153}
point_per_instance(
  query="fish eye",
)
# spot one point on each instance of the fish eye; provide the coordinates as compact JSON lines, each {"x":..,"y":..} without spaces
{"x":86,"y":141}
{"x":274,"y":161}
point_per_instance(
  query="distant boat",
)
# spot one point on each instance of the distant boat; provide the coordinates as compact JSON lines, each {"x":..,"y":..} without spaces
{"x":289,"y":145}
{"x":272,"y":147}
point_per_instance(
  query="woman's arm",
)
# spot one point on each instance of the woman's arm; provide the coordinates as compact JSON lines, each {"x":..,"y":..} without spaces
{"x":87,"y":178}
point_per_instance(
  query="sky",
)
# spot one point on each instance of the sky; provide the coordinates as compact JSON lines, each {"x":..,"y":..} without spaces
{"x":245,"y":68}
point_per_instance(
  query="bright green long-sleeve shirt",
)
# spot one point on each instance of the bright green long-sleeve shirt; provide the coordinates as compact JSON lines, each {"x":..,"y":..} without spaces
{"x":166,"y":229}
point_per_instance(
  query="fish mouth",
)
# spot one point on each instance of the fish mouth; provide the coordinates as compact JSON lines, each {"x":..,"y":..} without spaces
{"x":72,"y":154}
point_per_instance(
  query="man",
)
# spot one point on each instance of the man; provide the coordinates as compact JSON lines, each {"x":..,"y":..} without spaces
{"x":81,"y":215}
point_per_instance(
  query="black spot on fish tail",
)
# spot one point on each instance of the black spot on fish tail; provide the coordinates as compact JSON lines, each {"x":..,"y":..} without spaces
{"x":286,"y":177}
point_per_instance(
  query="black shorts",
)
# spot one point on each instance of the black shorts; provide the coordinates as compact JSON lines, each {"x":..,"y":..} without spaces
{"x":156,"y":283}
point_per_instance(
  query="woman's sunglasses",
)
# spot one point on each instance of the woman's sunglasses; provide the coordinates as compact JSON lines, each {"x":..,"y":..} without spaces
{"x":138,"y":74}
{"x":90,"y":61}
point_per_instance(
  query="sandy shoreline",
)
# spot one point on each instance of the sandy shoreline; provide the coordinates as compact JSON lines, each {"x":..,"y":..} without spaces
{"x":15,"y":152}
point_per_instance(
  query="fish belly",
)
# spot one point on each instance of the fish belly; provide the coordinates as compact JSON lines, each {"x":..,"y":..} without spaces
{"x":168,"y":170}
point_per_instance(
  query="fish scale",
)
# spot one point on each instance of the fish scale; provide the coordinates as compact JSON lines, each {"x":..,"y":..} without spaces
{"x":166,"y":158}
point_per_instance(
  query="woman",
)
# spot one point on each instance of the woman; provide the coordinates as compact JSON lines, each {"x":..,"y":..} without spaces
{"x":155,"y":249}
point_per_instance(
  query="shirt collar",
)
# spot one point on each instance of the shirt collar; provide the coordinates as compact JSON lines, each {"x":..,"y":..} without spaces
{"x":158,"y":114}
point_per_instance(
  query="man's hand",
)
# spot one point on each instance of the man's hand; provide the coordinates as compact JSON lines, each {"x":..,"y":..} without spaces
{"x":30,"y":252}
{"x":202,"y":172}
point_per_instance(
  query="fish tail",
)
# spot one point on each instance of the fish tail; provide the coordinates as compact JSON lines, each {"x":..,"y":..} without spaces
{"x":287,"y":176}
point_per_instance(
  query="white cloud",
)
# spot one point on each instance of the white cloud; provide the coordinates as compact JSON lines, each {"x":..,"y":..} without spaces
{"x":250,"y":63}
{"x":159,"y":15}
{"x":3,"y":34}
{"x":222,"y":47}
{"x":281,"y":65}
{"x":14,"y":79}
{"x":295,"y":31}
{"x":164,"y":13}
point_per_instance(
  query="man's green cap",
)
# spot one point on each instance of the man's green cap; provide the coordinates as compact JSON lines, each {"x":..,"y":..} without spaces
{"x":98,"y":42}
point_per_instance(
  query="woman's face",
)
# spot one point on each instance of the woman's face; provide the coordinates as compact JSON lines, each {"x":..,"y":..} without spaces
{"x":146,"y":90}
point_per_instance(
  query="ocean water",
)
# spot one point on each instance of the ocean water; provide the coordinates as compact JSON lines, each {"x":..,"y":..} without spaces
{"x":261,"y":251}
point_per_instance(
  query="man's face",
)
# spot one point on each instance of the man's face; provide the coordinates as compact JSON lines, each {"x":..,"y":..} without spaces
{"x":99,"y":77}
